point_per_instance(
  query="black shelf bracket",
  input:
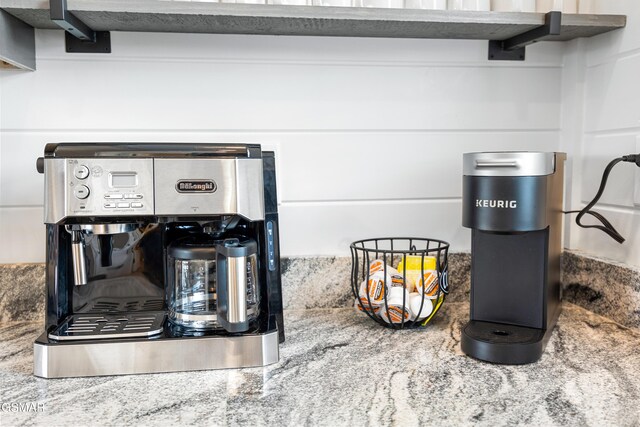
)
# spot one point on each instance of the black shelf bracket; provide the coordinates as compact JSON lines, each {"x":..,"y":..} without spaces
{"x":513,"y":49}
{"x":79,"y":38}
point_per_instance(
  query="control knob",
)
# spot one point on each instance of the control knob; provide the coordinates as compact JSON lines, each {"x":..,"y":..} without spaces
{"x":81,"y":172}
{"x":81,"y":192}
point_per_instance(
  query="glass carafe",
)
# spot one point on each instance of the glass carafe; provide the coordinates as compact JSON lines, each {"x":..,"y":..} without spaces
{"x":192,"y":276}
{"x":201,"y":296}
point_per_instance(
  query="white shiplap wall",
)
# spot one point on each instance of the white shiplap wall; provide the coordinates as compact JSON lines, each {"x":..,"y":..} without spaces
{"x":602,"y":117}
{"x":369,"y":133}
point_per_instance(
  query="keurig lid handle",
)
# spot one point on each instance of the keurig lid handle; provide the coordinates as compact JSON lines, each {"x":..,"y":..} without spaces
{"x":496,"y":164}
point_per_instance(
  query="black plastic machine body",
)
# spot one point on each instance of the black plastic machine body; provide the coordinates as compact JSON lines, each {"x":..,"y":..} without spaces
{"x":513,"y":202}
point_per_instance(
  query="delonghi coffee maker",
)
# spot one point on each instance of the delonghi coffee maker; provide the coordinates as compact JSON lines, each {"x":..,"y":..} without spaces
{"x":160,"y":258}
{"x":513,"y":201}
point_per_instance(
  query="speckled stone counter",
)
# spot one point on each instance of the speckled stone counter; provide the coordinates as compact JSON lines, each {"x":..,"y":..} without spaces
{"x":339,"y":368}
{"x":602,"y":286}
{"x":22,"y":292}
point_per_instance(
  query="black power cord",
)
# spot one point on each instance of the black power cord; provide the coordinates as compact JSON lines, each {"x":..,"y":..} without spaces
{"x":606,"y":226}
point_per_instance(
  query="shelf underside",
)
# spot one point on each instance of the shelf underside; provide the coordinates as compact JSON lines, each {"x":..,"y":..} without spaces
{"x":229,"y":18}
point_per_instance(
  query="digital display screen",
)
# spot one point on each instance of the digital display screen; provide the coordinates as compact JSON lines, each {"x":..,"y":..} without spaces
{"x":123,"y":179}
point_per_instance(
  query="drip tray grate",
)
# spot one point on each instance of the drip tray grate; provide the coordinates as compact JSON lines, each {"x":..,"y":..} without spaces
{"x":92,"y":326}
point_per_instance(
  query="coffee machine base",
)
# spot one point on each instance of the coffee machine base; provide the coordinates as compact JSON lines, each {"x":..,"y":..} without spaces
{"x":502,"y":343}
{"x":96,"y":358}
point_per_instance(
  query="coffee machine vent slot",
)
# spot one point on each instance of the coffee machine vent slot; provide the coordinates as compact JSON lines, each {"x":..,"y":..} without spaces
{"x":123,"y":305}
{"x":152,"y":304}
{"x":105,"y":306}
{"x":122,"y":325}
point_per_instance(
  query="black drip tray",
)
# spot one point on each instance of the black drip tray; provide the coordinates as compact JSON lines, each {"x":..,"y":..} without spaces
{"x":91,"y":326}
{"x":502,"y":343}
{"x":500,"y":333}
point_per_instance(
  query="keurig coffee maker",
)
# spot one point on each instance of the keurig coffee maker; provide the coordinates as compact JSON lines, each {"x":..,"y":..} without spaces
{"x":160,"y":258}
{"x":512,"y":202}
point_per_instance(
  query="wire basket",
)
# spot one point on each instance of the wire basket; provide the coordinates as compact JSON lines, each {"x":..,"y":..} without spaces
{"x":399,"y":282}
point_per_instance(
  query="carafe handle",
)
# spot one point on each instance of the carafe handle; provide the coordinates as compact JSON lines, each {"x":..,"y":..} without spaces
{"x":231,"y":266}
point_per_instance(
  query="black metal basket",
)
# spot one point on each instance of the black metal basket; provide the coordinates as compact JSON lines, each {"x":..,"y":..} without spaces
{"x":375,"y":275}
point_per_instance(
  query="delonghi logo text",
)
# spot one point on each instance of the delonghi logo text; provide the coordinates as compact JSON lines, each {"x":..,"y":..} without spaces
{"x":196,"y":186}
{"x":502,"y":204}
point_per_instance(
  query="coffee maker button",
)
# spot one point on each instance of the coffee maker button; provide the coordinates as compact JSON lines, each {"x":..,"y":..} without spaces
{"x":81,"y":172}
{"x":109,"y":205}
{"x":81,"y":192}
{"x":136,"y":205}
{"x":123,"y":205}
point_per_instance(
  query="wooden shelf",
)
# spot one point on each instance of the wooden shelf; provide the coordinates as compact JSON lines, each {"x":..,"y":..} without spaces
{"x":230,"y":18}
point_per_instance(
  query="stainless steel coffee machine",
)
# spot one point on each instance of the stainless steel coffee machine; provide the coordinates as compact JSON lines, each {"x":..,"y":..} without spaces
{"x":513,"y":203}
{"x":160,"y":258}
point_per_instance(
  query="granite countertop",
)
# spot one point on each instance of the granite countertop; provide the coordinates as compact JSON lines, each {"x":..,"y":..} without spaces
{"x":337,"y":367}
